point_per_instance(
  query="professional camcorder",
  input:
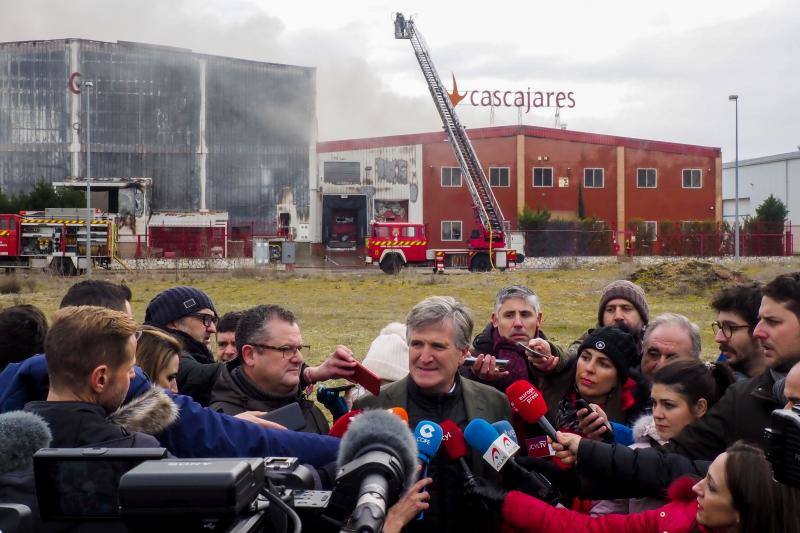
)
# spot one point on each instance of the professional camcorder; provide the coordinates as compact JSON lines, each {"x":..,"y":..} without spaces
{"x":783,"y":445}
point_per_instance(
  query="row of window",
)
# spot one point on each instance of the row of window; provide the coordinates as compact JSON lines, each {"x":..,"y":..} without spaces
{"x":593,"y":178}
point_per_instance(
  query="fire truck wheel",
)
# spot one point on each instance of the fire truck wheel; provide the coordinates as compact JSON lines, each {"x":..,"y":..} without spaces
{"x":391,"y":264}
{"x":480,"y":263}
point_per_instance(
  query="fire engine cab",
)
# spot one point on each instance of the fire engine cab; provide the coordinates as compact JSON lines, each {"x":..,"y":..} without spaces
{"x":55,"y":239}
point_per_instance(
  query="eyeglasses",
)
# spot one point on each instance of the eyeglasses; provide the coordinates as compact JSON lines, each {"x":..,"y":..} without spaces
{"x":206,"y":318}
{"x":727,"y":329}
{"x":286,"y":351}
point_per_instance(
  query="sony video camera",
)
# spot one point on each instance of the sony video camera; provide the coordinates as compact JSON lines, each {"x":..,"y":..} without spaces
{"x":783,"y":445}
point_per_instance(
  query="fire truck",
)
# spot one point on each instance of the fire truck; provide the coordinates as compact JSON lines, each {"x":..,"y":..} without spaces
{"x":56,"y":239}
{"x":394,"y":245}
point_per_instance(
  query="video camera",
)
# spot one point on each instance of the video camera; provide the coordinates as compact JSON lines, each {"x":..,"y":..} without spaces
{"x":783,"y":445}
{"x":141,"y":489}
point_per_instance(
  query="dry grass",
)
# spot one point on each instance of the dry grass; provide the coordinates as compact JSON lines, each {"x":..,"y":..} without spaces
{"x":350,"y":308}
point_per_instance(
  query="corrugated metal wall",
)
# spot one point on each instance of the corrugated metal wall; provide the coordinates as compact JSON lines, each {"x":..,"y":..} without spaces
{"x":242,"y":129}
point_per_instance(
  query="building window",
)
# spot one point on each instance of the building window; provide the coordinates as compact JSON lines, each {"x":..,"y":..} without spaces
{"x":652,"y":228}
{"x":451,"y":177}
{"x":692,"y":178}
{"x":646,"y":178}
{"x":542,"y":176}
{"x":451,"y":230}
{"x":498,"y":177}
{"x":593,"y":178}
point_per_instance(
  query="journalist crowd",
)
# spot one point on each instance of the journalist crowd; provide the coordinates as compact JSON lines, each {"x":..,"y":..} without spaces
{"x":491,"y":426}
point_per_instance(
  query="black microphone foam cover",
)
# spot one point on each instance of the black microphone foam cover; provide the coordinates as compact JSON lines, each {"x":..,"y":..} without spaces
{"x":379,"y":429}
{"x":21,"y":435}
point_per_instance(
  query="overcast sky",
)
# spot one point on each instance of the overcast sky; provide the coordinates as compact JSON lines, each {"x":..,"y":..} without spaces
{"x":640,"y":69}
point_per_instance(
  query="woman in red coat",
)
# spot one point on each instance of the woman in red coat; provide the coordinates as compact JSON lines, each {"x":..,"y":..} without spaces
{"x":737,"y":495}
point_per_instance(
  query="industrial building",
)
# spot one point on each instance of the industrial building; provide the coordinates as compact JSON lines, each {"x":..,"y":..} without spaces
{"x":777,"y":175}
{"x":212,"y":133}
{"x":416,"y":178}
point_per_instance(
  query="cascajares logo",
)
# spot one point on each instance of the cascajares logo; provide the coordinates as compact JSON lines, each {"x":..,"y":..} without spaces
{"x":505,"y":98}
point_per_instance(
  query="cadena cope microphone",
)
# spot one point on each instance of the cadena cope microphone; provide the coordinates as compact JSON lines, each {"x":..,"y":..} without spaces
{"x":428,"y":435}
{"x":528,"y":401}
{"x":455,"y":447}
{"x":377,"y":460}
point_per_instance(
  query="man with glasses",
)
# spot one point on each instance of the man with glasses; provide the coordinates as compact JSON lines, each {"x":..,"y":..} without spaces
{"x":268,"y":373}
{"x":189,"y":315}
{"x":737,"y":316}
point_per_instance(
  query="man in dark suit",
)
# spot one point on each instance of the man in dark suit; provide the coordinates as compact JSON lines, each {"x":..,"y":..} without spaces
{"x":439,"y":331}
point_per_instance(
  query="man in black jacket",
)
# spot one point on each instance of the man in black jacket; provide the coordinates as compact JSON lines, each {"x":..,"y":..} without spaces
{"x":267,"y":375}
{"x":91,"y":352}
{"x":189,"y":314}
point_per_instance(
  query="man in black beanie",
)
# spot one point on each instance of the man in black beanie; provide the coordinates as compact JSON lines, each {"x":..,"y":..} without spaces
{"x":189,"y":314}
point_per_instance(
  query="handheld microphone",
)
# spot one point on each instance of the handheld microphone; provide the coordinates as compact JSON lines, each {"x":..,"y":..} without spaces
{"x":399,"y":411}
{"x":21,"y":435}
{"x":339,"y":427}
{"x":496,"y":449}
{"x":332,"y":400}
{"x":429,"y":437}
{"x":505,"y":427}
{"x":455,"y":447}
{"x":377,"y":460}
{"x":529,"y":403}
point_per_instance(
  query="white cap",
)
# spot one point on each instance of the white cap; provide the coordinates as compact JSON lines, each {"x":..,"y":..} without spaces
{"x":388,"y":357}
{"x":394,"y":327}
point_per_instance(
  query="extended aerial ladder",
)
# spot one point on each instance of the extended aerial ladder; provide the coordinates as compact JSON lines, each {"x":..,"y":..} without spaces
{"x":487,"y":209}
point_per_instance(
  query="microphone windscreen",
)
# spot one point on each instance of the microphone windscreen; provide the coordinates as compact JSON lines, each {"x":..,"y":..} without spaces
{"x":480,"y":434}
{"x":455,"y":447}
{"x":504,"y":426}
{"x":527,"y":401}
{"x":343,"y":423}
{"x":378,"y":429}
{"x":21,"y":435}
{"x":429,"y":438}
{"x":399,"y":411}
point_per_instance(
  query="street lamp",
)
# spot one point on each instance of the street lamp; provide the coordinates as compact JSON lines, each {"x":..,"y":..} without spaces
{"x":88,"y":85}
{"x":735,"y":98}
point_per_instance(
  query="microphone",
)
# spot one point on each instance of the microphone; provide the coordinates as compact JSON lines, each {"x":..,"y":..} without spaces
{"x":377,"y":460}
{"x":343,"y":423}
{"x":455,"y":447}
{"x":21,"y":435}
{"x":399,"y":411}
{"x":504,"y":426}
{"x":429,"y":437}
{"x":529,"y":403}
{"x":496,"y":451}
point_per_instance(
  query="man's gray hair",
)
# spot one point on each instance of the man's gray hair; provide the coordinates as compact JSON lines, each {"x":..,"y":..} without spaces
{"x":520,"y":292}
{"x":437,"y":309}
{"x":678,"y":320}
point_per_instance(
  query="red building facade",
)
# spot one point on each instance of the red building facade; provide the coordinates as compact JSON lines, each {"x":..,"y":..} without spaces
{"x":622,"y":179}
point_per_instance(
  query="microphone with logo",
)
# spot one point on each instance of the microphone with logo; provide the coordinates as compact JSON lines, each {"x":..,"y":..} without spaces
{"x":529,"y":403}
{"x":498,"y":450}
{"x":429,"y":437}
{"x":505,"y":427}
{"x":377,"y":461}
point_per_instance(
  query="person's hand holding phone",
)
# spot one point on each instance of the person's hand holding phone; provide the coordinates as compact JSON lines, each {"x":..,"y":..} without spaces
{"x":594,"y":423}
{"x":543,"y":360}
{"x":485,"y":368}
{"x":339,"y":364}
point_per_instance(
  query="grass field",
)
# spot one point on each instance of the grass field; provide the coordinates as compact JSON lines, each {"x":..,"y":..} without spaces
{"x":350,"y":308}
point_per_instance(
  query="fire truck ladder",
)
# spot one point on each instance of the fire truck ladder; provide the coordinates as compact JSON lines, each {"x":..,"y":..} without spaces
{"x":486,"y":205}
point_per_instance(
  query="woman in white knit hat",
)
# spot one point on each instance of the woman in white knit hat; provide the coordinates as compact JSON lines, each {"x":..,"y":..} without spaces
{"x":387,"y":357}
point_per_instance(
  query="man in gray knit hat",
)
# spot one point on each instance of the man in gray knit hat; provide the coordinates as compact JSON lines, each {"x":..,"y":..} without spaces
{"x":622,"y":304}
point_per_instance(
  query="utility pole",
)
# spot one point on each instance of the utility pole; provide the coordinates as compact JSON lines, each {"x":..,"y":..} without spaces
{"x":735,"y":98}
{"x":88,"y":85}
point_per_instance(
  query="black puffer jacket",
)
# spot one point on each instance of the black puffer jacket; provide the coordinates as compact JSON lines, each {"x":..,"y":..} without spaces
{"x":235,"y":393}
{"x":742,"y":413}
{"x":197,"y":371}
{"x":616,"y":471}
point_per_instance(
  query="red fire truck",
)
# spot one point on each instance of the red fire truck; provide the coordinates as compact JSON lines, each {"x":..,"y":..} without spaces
{"x":393,"y":245}
{"x":55,"y":239}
